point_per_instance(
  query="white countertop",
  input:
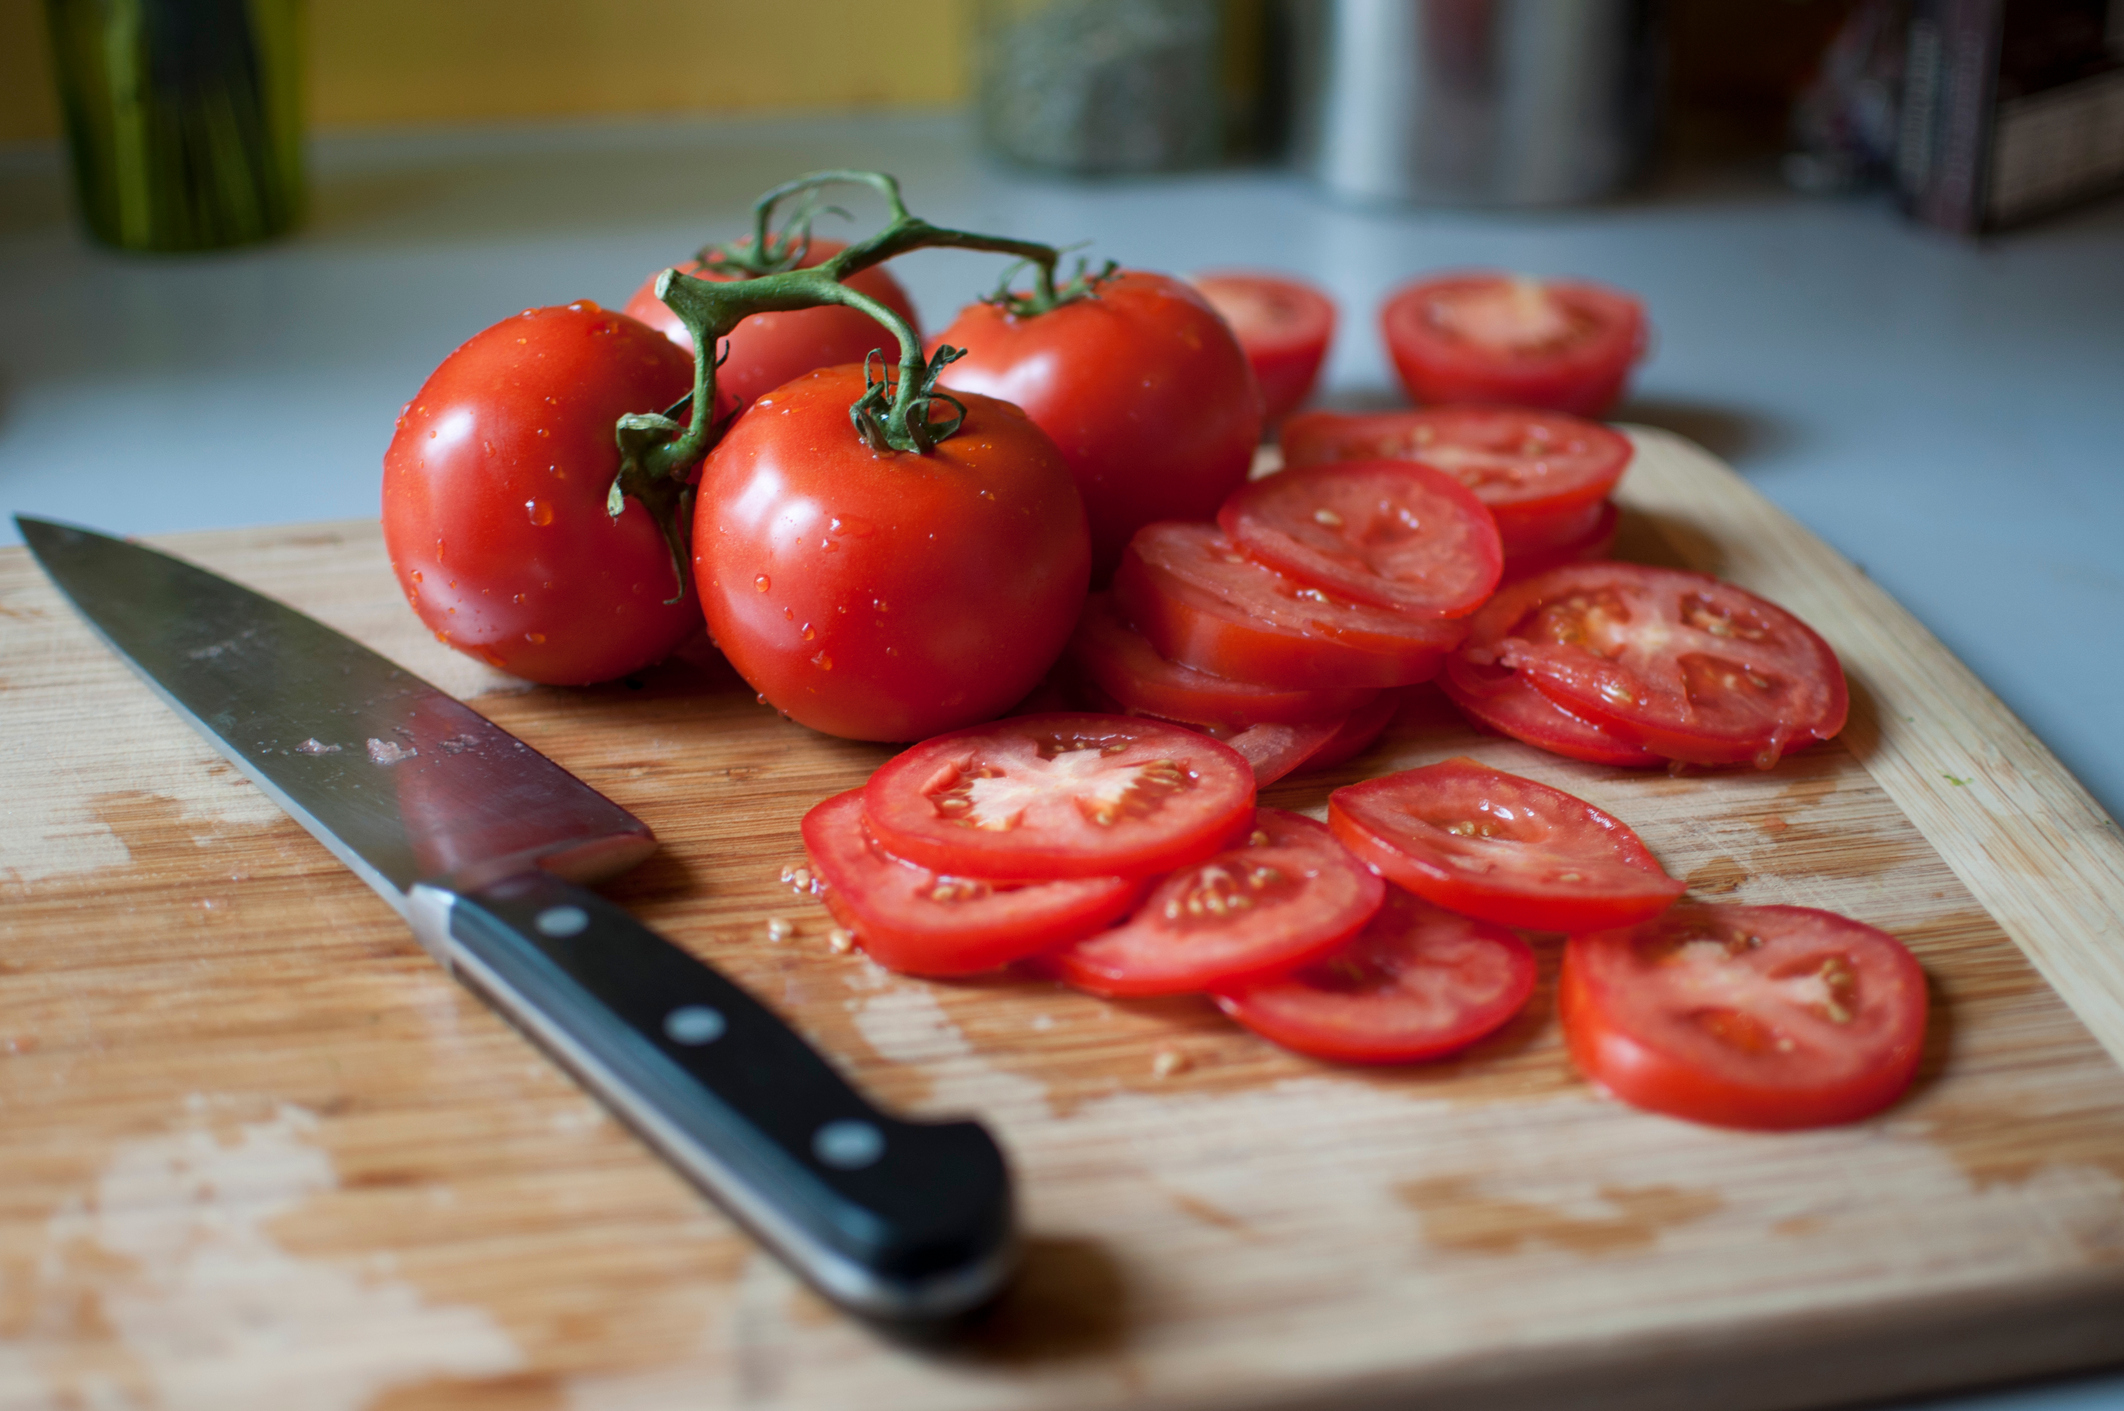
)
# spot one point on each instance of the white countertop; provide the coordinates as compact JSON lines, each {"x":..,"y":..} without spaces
{"x":1948,"y":415}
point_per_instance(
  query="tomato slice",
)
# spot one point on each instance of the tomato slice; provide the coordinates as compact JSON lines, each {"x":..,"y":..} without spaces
{"x":1591,"y":546}
{"x":1064,"y":795}
{"x":1541,"y":473}
{"x":1501,"y":848}
{"x":1504,"y":702}
{"x":1417,"y":982}
{"x":1126,"y":667}
{"x":1200,"y":601}
{"x":1283,"y":324}
{"x":1359,"y":729}
{"x":919,"y":922}
{"x":1690,"y":667}
{"x":1397,"y":534}
{"x":1746,"y":1016}
{"x":1484,"y":337}
{"x":1290,"y":893}
{"x":1275,"y":750}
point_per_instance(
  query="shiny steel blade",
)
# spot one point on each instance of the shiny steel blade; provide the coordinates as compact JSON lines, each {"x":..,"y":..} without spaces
{"x":402,"y":782}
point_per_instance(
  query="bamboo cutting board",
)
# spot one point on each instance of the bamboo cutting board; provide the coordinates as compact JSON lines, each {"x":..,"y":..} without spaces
{"x":260,"y":1153}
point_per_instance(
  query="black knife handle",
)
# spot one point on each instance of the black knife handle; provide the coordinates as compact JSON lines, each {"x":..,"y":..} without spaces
{"x":899,"y":1220}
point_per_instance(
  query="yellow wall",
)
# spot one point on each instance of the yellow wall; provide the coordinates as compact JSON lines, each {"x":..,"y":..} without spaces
{"x":377,"y":62}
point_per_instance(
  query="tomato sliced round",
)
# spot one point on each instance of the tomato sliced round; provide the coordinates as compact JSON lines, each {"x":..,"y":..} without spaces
{"x":1500,"y":848}
{"x":1746,"y":1016}
{"x":1541,"y":473}
{"x":1359,"y":729}
{"x":1592,"y":546}
{"x":1283,"y":324}
{"x":1417,"y":982}
{"x":1126,"y":667}
{"x":1064,"y":795}
{"x":1200,"y":601}
{"x":1504,"y":702}
{"x":1486,"y":337}
{"x":919,"y":922}
{"x":1290,"y":893}
{"x":1397,"y":534}
{"x":1688,"y":666}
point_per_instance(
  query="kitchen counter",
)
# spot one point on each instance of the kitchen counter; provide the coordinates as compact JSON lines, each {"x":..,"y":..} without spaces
{"x":1947,"y":415}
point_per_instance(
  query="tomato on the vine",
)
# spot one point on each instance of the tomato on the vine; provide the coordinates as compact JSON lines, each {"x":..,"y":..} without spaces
{"x":1140,"y":383}
{"x":494,"y":499}
{"x":881,"y":594}
{"x":769,"y":349}
{"x":1562,"y":344}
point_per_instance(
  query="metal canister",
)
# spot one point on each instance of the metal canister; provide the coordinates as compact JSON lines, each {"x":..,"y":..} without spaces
{"x":1474,"y":102}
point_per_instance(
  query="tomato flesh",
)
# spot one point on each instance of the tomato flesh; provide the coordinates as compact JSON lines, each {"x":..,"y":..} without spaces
{"x":1393,"y":533}
{"x":1560,"y":344}
{"x":1746,"y":1016}
{"x":494,"y":499}
{"x":766,"y":350}
{"x":1284,"y":324}
{"x":1542,"y":474}
{"x":1501,"y":848}
{"x":1417,"y":982}
{"x":1198,"y":600}
{"x":1692,"y":668}
{"x":1502,"y":701}
{"x":1141,"y":385}
{"x":1064,"y":795}
{"x":1291,"y":892}
{"x":884,"y":595}
{"x":919,"y":922}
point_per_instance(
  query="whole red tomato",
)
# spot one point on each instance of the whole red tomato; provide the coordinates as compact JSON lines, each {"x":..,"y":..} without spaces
{"x":884,"y":595}
{"x":1141,"y":384}
{"x":494,"y":498}
{"x":767,"y":350}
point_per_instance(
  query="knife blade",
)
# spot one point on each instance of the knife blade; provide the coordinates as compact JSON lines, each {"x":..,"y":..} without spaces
{"x":487,"y":848}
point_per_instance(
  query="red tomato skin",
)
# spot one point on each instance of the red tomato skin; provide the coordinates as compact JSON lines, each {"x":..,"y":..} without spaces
{"x":1279,"y":521}
{"x":1501,"y":701}
{"x":1387,"y":822}
{"x":1359,"y":731}
{"x":1540,"y":500}
{"x":494,"y":499}
{"x":1151,"y":953}
{"x":1216,"y":802}
{"x":1117,"y":658}
{"x":1583,"y":377}
{"x":1593,"y":545}
{"x":1143,"y":387}
{"x":892,"y":908}
{"x":881,"y":595}
{"x":1302,"y":1009}
{"x":1283,"y":324}
{"x":1201,"y":602}
{"x":767,"y":350}
{"x":1650,"y":1075}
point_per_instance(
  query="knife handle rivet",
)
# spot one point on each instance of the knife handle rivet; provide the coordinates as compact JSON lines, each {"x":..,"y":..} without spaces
{"x":694,"y":1025}
{"x":560,"y":921}
{"x":848,"y":1145}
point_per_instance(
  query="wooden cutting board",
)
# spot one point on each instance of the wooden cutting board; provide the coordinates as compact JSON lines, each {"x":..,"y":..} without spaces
{"x":260,"y":1152}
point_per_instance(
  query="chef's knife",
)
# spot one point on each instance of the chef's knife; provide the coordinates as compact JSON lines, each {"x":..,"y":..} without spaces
{"x":485,"y":846}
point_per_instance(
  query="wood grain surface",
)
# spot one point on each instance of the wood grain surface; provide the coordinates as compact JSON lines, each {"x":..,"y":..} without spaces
{"x":260,"y":1153}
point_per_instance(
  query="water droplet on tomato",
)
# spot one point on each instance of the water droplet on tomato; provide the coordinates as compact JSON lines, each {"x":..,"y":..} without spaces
{"x":518,"y":599}
{"x":763,"y":583}
{"x":879,"y":604}
{"x":789,"y":614}
{"x":492,"y":658}
{"x":415,"y":575}
{"x":438,"y":551}
{"x":534,"y":638}
{"x":552,"y":401}
{"x":442,"y":637}
{"x":543,"y":432}
{"x":807,"y":631}
{"x":826,"y":545}
{"x":541,"y":512}
{"x":823,"y":662}
{"x":761,"y":698}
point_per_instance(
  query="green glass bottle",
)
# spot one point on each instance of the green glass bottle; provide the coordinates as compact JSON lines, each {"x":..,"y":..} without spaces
{"x":184,"y":118}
